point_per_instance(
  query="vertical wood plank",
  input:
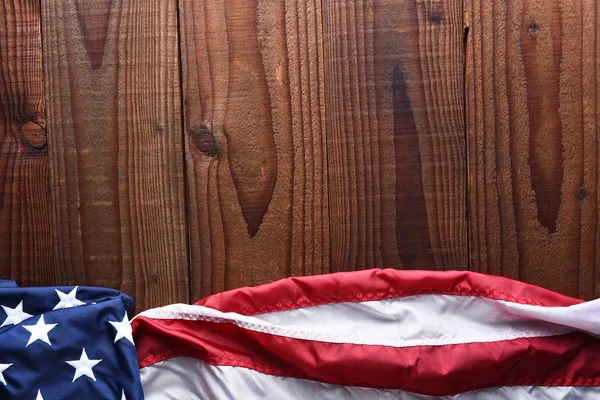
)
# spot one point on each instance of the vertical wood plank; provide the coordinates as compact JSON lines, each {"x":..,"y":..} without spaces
{"x":115,"y":146}
{"x":394,"y":90}
{"x":254,"y":140}
{"x":25,"y":239}
{"x":532,"y":109}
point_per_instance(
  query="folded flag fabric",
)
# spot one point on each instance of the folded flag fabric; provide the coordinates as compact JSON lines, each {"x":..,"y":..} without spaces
{"x":61,"y":343}
{"x":375,"y":334}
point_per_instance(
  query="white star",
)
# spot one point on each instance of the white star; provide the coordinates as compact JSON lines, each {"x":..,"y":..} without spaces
{"x":39,"y":331}
{"x":83,"y":366}
{"x":68,"y":300}
{"x":15,"y":315}
{"x":123,"y":395}
{"x":39,"y":395}
{"x":123,"y":329}
{"x":3,"y":367}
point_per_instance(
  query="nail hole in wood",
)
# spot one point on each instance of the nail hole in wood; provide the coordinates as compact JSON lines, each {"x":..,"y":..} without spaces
{"x":435,"y":17}
{"x":581,"y":194}
{"x":533,"y":29}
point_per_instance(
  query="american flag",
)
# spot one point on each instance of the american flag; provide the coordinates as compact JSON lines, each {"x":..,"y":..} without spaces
{"x":61,"y":343}
{"x":375,"y":334}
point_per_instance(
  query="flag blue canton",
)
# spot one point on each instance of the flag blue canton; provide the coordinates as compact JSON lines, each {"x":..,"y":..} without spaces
{"x":66,"y":342}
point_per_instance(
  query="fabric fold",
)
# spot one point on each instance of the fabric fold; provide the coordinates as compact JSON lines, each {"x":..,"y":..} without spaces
{"x":372,"y":333}
{"x":67,"y":342}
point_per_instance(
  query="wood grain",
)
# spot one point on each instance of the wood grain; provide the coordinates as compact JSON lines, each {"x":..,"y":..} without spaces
{"x":314,"y":136}
{"x":532,"y":121}
{"x":25,"y":239}
{"x":115,"y":146}
{"x":393,"y":79}
{"x":255,"y":141}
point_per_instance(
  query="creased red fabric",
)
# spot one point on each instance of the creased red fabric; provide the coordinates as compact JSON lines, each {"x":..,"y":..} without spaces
{"x":565,"y":360}
{"x":377,"y":284}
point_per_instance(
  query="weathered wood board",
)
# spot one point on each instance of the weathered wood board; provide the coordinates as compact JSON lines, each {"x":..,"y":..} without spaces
{"x":115,"y":146}
{"x":254,"y":141}
{"x":394,"y":101}
{"x":25,"y":238}
{"x":532,"y":119}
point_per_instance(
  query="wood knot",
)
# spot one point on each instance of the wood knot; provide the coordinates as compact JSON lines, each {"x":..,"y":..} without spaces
{"x":533,"y":29}
{"x":581,"y":194}
{"x":206,"y":143}
{"x":435,"y":17}
{"x":34,"y":135}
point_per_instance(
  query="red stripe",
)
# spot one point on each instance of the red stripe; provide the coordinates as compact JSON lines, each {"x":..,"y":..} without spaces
{"x":378,"y":284}
{"x":566,"y":360}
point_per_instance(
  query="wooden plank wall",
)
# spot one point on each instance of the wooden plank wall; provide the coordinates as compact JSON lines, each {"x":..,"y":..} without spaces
{"x":177,"y":149}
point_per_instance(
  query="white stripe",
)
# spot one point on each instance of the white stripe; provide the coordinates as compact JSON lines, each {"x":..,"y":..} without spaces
{"x":466,"y":316}
{"x":184,"y":378}
{"x":410,"y":321}
{"x":583,"y":317}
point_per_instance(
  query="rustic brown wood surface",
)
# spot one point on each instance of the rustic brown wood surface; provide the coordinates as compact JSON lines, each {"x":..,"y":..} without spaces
{"x":532,"y":118}
{"x":177,"y":149}
{"x":25,"y":243}
{"x":393,"y":88}
{"x":255,"y":141}
{"x":115,"y":148}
